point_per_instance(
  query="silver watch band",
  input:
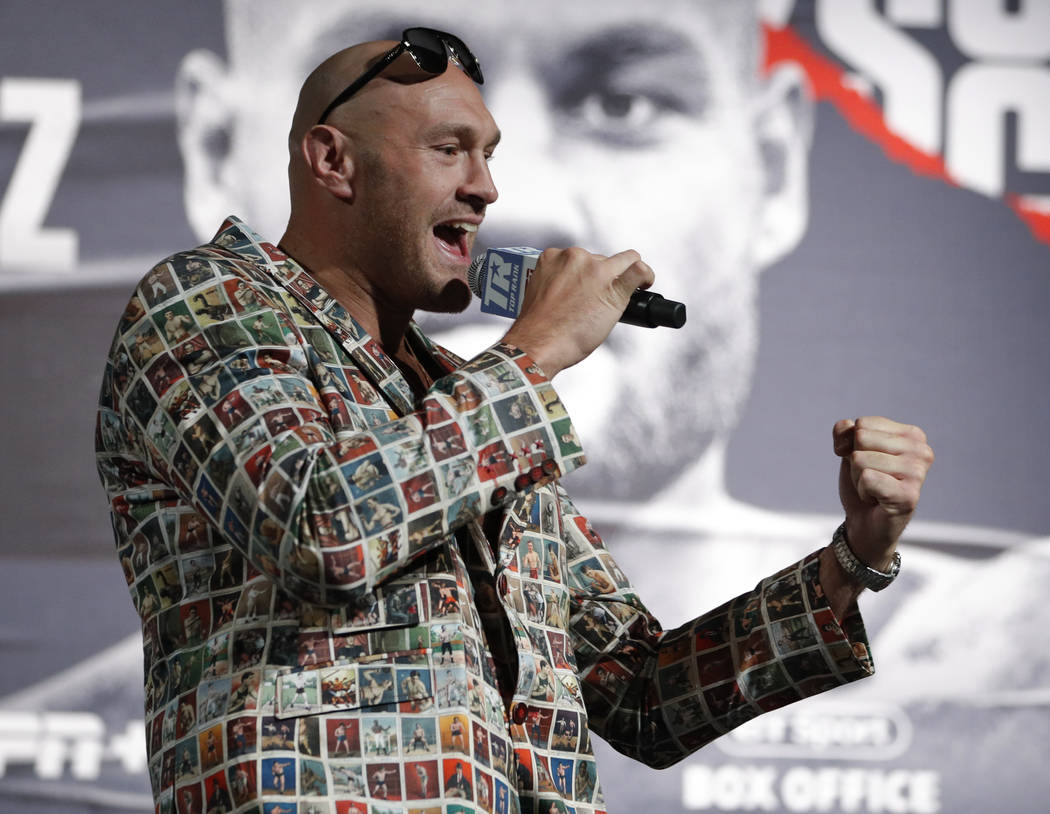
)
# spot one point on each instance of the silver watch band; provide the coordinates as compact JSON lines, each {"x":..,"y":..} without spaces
{"x":867,"y":576}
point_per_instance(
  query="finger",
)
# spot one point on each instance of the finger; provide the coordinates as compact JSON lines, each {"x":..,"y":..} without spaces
{"x":635,"y":276}
{"x":557,"y":261}
{"x":896,"y":497}
{"x":888,"y":425}
{"x":629,"y":265}
{"x":914,"y":457}
{"x":842,"y":436}
{"x":621,"y":260}
{"x":899,"y":466}
{"x":880,"y":441}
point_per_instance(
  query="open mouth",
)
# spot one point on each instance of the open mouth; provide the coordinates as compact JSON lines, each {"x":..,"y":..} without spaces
{"x":454,"y":237}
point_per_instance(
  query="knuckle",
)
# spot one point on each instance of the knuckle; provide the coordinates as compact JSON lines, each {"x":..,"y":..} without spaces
{"x":900,"y":509}
{"x":868,"y":477}
{"x":908,"y":500}
{"x":916,"y":472}
{"x":917,"y":433}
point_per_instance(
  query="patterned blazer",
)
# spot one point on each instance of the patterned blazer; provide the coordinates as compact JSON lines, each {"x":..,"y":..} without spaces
{"x":354,"y":602}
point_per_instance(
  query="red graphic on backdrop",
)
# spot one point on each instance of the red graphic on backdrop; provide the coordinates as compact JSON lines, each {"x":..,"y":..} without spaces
{"x":830,"y":84}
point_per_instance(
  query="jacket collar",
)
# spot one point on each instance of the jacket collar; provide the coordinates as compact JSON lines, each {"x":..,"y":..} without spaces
{"x":235,"y":236}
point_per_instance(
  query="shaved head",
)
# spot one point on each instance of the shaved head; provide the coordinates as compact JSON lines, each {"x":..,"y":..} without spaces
{"x":332,"y":76}
{"x":328,"y":80}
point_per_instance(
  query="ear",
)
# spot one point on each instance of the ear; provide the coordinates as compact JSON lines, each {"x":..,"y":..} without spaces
{"x":327,"y":154}
{"x":204,"y":127}
{"x":783,"y":126}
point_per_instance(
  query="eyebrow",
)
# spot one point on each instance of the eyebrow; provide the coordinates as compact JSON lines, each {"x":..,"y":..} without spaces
{"x":618,"y":45}
{"x":674,"y":59}
{"x":622,"y":48}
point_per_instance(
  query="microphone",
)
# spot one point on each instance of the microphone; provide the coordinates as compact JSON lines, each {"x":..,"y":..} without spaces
{"x":498,"y":278}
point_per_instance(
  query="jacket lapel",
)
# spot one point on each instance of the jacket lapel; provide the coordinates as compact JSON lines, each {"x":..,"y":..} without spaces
{"x":445,"y":359}
{"x":365,"y":351}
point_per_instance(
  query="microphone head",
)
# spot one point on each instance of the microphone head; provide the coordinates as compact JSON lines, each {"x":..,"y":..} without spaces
{"x":474,"y":274}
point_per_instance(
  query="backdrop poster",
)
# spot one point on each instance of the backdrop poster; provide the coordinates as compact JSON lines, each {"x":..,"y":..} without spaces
{"x":853,"y":199}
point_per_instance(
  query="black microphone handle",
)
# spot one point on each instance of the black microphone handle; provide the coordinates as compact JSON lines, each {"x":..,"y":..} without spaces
{"x":648,"y":309}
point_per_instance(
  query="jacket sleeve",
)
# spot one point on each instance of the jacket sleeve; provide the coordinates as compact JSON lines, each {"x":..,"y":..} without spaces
{"x":659,"y":695}
{"x":227,"y":408}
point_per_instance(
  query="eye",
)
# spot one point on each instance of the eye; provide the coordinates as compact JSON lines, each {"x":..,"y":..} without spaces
{"x":623,"y":117}
{"x":617,"y":110}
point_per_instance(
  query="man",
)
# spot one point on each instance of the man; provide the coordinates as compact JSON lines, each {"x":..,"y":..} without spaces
{"x":456,"y":784}
{"x":389,"y":182}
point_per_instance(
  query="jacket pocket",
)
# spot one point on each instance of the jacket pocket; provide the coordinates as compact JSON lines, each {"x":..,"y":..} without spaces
{"x":388,"y":606}
{"x":380,"y":680}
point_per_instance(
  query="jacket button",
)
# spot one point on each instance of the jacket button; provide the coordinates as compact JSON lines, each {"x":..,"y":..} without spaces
{"x":550,"y":466}
{"x":499,"y":494}
{"x":536,"y":473}
{"x":522,"y":481}
{"x":519,"y":713}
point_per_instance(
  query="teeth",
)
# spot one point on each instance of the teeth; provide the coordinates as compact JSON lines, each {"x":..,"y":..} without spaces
{"x":466,"y":227}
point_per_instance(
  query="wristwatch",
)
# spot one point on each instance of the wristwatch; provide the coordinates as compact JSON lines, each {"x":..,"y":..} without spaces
{"x":864,"y":574}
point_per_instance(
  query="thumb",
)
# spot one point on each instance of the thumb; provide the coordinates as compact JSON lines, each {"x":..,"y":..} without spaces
{"x":638,"y":274}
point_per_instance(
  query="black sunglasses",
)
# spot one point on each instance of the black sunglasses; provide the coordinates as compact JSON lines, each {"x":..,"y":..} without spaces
{"x":429,"y":48}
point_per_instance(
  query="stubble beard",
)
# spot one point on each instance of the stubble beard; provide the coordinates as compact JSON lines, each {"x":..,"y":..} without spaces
{"x":403,"y":251}
{"x":405,"y":270}
{"x":666,"y":420}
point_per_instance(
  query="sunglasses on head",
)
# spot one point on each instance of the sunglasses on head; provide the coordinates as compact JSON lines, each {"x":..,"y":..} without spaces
{"x":429,"y":48}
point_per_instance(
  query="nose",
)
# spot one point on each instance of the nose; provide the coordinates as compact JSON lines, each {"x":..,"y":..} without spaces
{"x":478,"y":186}
{"x":538,"y":206}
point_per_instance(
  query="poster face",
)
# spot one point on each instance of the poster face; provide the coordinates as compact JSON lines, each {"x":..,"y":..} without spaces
{"x":851,"y":198}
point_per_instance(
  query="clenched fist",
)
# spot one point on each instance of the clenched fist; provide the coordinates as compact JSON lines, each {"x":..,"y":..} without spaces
{"x":884,"y":465}
{"x":573,"y":300}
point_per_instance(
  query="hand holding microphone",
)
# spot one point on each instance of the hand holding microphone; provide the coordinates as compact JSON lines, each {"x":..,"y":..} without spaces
{"x":498,"y":278}
{"x":571,"y":303}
